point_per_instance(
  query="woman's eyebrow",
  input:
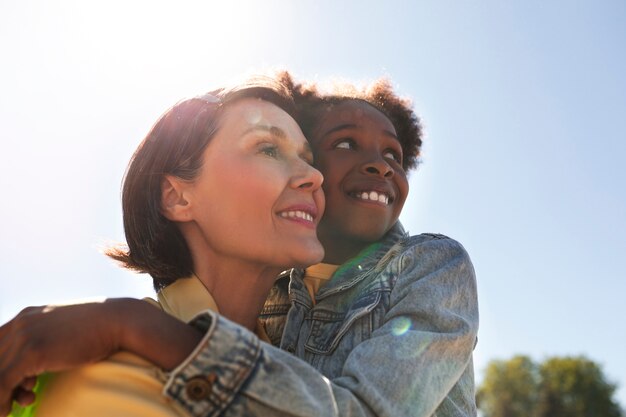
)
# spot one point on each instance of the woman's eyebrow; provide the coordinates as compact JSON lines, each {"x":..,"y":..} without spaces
{"x":272,"y":130}
{"x":279,"y":134}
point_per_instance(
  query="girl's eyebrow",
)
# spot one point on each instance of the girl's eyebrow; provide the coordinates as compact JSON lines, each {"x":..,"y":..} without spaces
{"x":354,"y":126}
{"x":340,"y":127}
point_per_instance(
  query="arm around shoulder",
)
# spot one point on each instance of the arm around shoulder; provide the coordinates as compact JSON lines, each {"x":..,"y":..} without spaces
{"x":36,"y":340}
{"x":436,"y":286}
{"x":418,"y":358}
{"x":435,"y":297}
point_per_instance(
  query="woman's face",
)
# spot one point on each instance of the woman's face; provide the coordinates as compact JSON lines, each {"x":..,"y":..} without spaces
{"x":257,"y":197}
{"x":357,"y":150}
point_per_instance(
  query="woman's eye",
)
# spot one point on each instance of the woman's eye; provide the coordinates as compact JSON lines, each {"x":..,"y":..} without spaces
{"x":345,"y":144}
{"x":270,"y":150}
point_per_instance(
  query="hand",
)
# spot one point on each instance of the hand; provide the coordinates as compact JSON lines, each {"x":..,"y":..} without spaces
{"x":56,"y":338}
{"x":24,"y":395}
{"x":51,"y":338}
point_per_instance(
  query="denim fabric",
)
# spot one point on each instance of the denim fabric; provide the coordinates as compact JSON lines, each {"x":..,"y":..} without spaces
{"x":391,"y":334}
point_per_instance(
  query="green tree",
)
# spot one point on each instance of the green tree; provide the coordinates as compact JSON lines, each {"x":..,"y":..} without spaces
{"x":576,"y":387}
{"x":558,"y":387}
{"x":509,"y":387}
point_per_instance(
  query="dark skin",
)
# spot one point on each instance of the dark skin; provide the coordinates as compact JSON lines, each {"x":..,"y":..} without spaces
{"x":36,"y":341}
{"x":357,"y":153}
{"x":356,"y":149}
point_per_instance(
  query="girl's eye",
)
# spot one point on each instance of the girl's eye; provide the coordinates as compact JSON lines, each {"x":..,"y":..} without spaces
{"x":392,"y":155}
{"x":345,"y":144}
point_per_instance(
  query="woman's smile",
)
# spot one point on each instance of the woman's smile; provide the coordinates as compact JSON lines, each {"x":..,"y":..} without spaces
{"x":303,"y":214}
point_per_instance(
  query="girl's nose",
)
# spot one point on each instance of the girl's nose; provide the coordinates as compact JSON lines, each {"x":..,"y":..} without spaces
{"x":378,"y":167}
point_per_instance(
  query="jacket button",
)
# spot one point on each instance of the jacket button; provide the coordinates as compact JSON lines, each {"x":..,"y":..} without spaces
{"x":199,"y":387}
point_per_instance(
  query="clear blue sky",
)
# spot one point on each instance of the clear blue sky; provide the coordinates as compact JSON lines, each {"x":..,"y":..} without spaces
{"x":524,"y":105}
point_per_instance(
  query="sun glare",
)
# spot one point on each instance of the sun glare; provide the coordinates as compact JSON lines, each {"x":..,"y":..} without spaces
{"x":162,"y":40}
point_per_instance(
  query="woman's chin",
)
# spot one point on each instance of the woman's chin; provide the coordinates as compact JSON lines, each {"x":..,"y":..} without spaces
{"x":311,"y":256}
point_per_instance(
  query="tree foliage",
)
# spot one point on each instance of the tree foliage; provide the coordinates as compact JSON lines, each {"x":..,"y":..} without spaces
{"x":557,"y":387}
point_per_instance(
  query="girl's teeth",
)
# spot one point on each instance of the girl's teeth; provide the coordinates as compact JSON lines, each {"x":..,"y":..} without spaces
{"x":373,"y":195}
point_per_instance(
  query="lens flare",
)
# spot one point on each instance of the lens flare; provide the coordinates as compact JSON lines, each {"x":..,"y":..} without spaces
{"x":400,"y":326}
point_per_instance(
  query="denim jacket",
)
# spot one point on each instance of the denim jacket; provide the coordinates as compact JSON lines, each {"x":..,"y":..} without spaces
{"x":391,"y":334}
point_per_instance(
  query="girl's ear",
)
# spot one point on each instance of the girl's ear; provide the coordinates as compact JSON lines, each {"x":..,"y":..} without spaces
{"x":174,"y":205}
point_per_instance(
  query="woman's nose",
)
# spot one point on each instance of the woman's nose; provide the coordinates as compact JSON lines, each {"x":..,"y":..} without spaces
{"x":307,"y":178}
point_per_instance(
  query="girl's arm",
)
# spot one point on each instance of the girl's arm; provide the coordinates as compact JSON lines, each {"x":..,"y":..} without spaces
{"x":402,"y":370}
{"x":55,"y":338}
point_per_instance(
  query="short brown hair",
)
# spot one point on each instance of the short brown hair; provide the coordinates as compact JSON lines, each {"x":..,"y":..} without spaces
{"x":175,"y":146}
{"x":312,"y":105}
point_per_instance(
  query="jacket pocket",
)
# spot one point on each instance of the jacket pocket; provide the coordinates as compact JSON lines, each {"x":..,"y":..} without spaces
{"x":328,"y":328}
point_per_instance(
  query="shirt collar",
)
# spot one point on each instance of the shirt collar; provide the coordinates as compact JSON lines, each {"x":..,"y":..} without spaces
{"x":185,"y":298}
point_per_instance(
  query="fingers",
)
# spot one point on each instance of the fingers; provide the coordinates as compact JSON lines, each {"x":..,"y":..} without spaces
{"x":8,"y":390}
{"x":28,"y":383}
{"x":16,"y":363}
{"x":20,"y":396}
{"x":13,"y":357}
{"x":7,"y":386}
{"x":24,"y":397}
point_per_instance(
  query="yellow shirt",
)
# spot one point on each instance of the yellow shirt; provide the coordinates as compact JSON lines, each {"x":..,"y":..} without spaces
{"x":124,"y":385}
{"x":315,"y":276}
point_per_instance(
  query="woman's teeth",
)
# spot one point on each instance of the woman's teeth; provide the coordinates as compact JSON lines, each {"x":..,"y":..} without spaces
{"x":297,"y":214}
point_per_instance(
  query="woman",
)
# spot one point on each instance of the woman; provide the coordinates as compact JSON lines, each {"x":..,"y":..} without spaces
{"x":187,"y":196}
{"x":388,"y":323}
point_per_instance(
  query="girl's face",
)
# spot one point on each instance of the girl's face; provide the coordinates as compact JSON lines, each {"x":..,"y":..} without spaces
{"x":357,"y":151}
{"x":257,"y":198}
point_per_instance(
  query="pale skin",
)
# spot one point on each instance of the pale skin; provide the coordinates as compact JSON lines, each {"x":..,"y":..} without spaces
{"x":358,"y":148}
{"x":227,"y":239}
{"x":285,"y":191}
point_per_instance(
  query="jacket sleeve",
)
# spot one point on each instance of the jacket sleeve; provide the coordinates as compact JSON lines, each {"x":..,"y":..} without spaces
{"x":407,"y":368}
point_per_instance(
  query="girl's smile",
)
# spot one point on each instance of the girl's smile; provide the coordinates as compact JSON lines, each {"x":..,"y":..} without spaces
{"x":357,"y":151}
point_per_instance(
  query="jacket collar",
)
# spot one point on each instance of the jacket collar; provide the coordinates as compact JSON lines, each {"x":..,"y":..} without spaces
{"x":373,"y":258}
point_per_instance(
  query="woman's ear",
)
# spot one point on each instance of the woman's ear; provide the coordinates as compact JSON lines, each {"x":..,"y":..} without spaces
{"x":174,"y":205}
